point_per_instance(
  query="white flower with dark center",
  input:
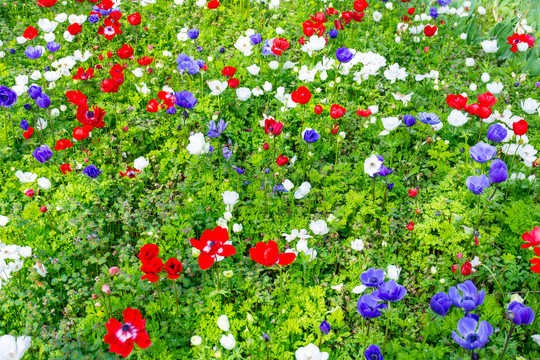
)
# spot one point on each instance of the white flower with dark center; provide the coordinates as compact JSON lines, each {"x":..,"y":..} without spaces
{"x":372,"y":165}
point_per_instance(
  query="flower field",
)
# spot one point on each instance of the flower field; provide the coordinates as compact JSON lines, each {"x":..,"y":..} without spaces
{"x":236,"y":179}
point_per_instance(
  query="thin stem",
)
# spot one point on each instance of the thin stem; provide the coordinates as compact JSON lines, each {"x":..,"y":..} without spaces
{"x":507,"y":340}
{"x":387,"y":325}
{"x":482,"y":214}
{"x":176,"y":297}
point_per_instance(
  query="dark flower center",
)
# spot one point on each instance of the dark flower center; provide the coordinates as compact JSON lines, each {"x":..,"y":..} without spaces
{"x":211,"y":243}
{"x":374,"y":356}
{"x":374,"y":280}
{"x":472,"y":338}
{"x":126,"y":327}
{"x":90,"y":114}
{"x":468,"y":298}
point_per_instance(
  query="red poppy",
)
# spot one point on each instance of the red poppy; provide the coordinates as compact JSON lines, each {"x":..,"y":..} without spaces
{"x":30,"y":33}
{"x":268,"y":254}
{"x":111,"y":85}
{"x":148,"y":252}
{"x":319,"y":18}
{"x":134,"y":19}
{"x":228,"y":71}
{"x":363,"y":113}
{"x":125,"y":51}
{"x":117,"y":72}
{"x":272,"y":127}
{"x":457,"y":102}
{"x":212,"y":4}
{"x":410,"y":226}
{"x":145,"y":60}
{"x":28,"y":133}
{"x":46,"y":3}
{"x":302,"y":40}
{"x":520,"y":127}
{"x":167,"y":98}
{"x":153,"y":106}
{"x":410,"y":11}
{"x":301,"y":96}
{"x":173,"y":268}
{"x":337,"y":111}
{"x":279,"y":45}
{"x":121,"y":337}
{"x":213,"y":243}
{"x":81,"y":133}
{"x":536,"y":261}
{"x":360,"y":5}
{"x":487,"y":99}
{"x":266,"y":146}
{"x":151,"y":269}
{"x":84,"y":74}
{"x":233,"y":83}
{"x":358,"y":16}
{"x":338,"y":25}
{"x":308,"y":29}
{"x":318,"y":109}
{"x":454,"y":268}
{"x":412,"y":192}
{"x":63,"y":144}
{"x":484,"y":112}
{"x":466,"y":268}
{"x":429,"y":30}
{"x":91,"y":118}
{"x":104,"y":4}
{"x":76,"y":97}
{"x":130,"y":173}
{"x":346,"y":16}
{"x":74,"y":29}
{"x":110,"y":29}
{"x":516,"y":38}
{"x":331,"y":11}
{"x":532,"y":238}
{"x":65,"y":168}
{"x":282,"y":160}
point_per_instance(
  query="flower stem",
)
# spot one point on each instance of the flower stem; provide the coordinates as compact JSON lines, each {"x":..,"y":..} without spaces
{"x":387,"y":325}
{"x":507,"y":340}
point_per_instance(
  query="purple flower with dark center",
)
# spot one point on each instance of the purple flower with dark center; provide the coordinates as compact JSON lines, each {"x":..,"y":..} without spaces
{"x":8,"y":97}
{"x":472,"y":338}
{"x":43,"y":153}
{"x":325,"y":327}
{"x":310,"y":136}
{"x":498,"y":171}
{"x":344,"y":55}
{"x":469,"y":299}
{"x":477,"y":184}
{"x":373,"y":353}
{"x":372,"y":277}
{"x":27,"y":107}
{"x":185,"y":99}
{"x":53,"y":46}
{"x":389,"y":291}
{"x":440,"y":303}
{"x":255,"y":38}
{"x":482,"y":152}
{"x":429,"y":118}
{"x":44,"y":102}
{"x":227,"y":153}
{"x":520,"y":314}
{"x":34,"y":52}
{"x":91,"y":171}
{"x":34,"y":91}
{"x":193,"y":34}
{"x":497,"y":133}
{"x":368,"y":307}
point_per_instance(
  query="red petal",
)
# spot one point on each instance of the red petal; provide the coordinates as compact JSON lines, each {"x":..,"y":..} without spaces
{"x":205,"y":261}
{"x":286,"y":258}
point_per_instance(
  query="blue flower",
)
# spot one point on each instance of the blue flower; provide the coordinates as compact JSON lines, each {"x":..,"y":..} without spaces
{"x":482,"y":152}
{"x":372,"y":277}
{"x":185,"y":99}
{"x":239,"y":171}
{"x":34,"y":52}
{"x":200,"y":49}
{"x":227,"y":153}
{"x":93,"y":19}
{"x":497,"y":133}
{"x":433,"y":12}
{"x":325,"y":327}
{"x":43,"y":153}
{"x":279,"y":188}
{"x":193,"y":34}
{"x":472,"y":338}
{"x":34,"y":91}
{"x":255,"y":39}
{"x":477,"y":184}
{"x":498,"y":171}
{"x":221,"y":50}
{"x":43,"y":101}
{"x":27,"y":107}
{"x":389,"y":291}
{"x":409,"y":120}
{"x":53,"y":46}
{"x":344,"y":55}
{"x":440,"y":303}
{"x":310,"y":136}
{"x":469,"y":299}
{"x":333,"y":34}
{"x":368,"y":307}
{"x":171,"y":110}
{"x":384,"y":171}
{"x":373,"y":353}
{"x":91,"y":171}
{"x":24,"y":125}
{"x":428,"y":118}
{"x":444,"y":2}
{"x":390,"y":186}
{"x":520,"y":314}
{"x":8,"y":97}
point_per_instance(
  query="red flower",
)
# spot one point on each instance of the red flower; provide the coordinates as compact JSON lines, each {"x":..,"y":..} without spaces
{"x":279,"y":45}
{"x":92,"y":119}
{"x":134,"y":19}
{"x":144,"y":61}
{"x":110,"y":29}
{"x":266,"y":146}
{"x":30,"y":33}
{"x":282,"y":160}
{"x":76,"y":98}
{"x":454,"y":268}
{"x":167,"y":98}
{"x":457,"y":102}
{"x":65,"y":168}
{"x":151,"y":269}
{"x":466,"y":268}
{"x":360,"y":5}
{"x":302,"y":40}
{"x":319,"y":18}
{"x":173,"y":268}
{"x":301,"y":96}
{"x":358,"y":16}
{"x":148,"y":252}
{"x":410,"y":11}
{"x":318,"y":109}
{"x":125,"y":51}
{"x":487,"y":99}
{"x":331,"y":11}
{"x":532,"y":238}
{"x":81,"y":133}
{"x":74,"y":29}
{"x":63,"y":144}
{"x":153,"y":106}
{"x":338,"y":25}
{"x":307,"y":27}
{"x":520,"y":127}
{"x":363,"y":113}
{"x":334,"y":129}
{"x":268,"y":254}
{"x":484,"y":112}
{"x":410,"y":226}
{"x":111,"y":85}
{"x":346,"y":16}
{"x":121,"y":337}
{"x":117,"y":72}
{"x":104,"y":4}
{"x":233,"y":83}
{"x":130,"y":173}
{"x":273,"y":127}
{"x":536,"y":261}
{"x":84,"y":75}
{"x":516,"y":38}
{"x":337,"y":111}
{"x":412,"y":192}
{"x":212,"y":243}
{"x":46,"y":3}
{"x":212,"y":4}
{"x":429,"y":30}
{"x":228,"y":71}
{"x":28,"y":133}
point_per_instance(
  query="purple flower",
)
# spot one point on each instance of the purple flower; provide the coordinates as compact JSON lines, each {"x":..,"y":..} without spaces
{"x":310,"y":136}
{"x":34,"y":91}
{"x":440,"y":303}
{"x":93,"y":19}
{"x":389,"y":291}
{"x":444,"y":2}
{"x":469,"y":299}
{"x":409,"y":120}
{"x":433,"y":12}
{"x":193,"y":34}
{"x":344,"y":55}
{"x":384,"y":171}
{"x":429,"y":118}
{"x":498,"y":171}
{"x":27,"y":107}
{"x":53,"y":46}
{"x":255,"y":38}
{"x":372,"y":277}
{"x":239,"y":171}
{"x":43,"y":153}
{"x":34,"y":52}
{"x":227,"y":153}
{"x":43,"y":101}
{"x":472,"y":338}
{"x":482,"y":152}
{"x":497,"y":133}
{"x":373,"y":353}
{"x":390,"y":186}
{"x":333,"y":34}
{"x":91,"y":171}
{"x":368,"y":307}
{"x":171,"y":110}
{"x":8,"y":97}
{"x":185,"y":99}
{"x":477,"y":184}
{"x":221,"y":50}
{"x":520,"y":314}
{"x":325,"y":327}
{"x":199,"y":49}
{"x":24,"y":125}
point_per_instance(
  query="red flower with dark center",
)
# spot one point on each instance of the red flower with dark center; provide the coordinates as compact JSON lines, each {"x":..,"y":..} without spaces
{"x":130,"y":173}
{"x":74,"y":29}
{"x":167,"y":98}
{"x":457,"y":102}
{"x":213,"y":243}
{"x":173,"y":268}
{"x":30,"y":33}
{"x":76,"y":98}
{"x":110,"y":29}
{"x":125,"y":51}
{"x":121,"y":337}
{"x":337,"y":111}
{"x":363,"y":113}
{"x":151,"y":269}
{"x":282,"y":160}
{"x":92,"y":118}
{"x":213,"y":4}
{"x":134,"y":19}
{"x":148,"y":252}
{"x":145,"y":60}
{"x":520,"y":127}
{"x":410,"y":226}
{"x":268,"y":254}
{"x":228,"y":71}
{"x":65,"y":168}
{"x":279,"y":45}
{"x":117,"y":72}
{"x":272,"y":127}
{"x":46,"y":3}
{"x":360,"y":5}
{"x":466,"y":268}
{"x":487,"y":99}
{"x":111,"y":85}
{"x":429,"y":30}
{"x":532,"y":238}
{"x":63,"y":144}
{"x":28,"y":133}
{"x":301,"y":96}
{"x":84,"y":74}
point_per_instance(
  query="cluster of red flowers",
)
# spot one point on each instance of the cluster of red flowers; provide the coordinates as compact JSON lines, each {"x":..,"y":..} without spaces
{"x":122,"y":337}
{"x":272,"y":127}
{"x":482,"y":109}
{"x":532,"y":239}
{"x":212,"y":244}
{"x":229,"y":71}
{"x":152,"y":265}
{"x":112,"y":84}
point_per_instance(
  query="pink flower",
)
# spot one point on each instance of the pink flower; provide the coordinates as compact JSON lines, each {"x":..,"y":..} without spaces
{"x":114,"y":270}
{"x":150,"y":47}
{"x":106,"y":289}
{"x":459,"y":255}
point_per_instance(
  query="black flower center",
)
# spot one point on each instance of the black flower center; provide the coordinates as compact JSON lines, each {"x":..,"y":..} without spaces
{"x":374,"y":280}
{"x":90,"y":114}
{"x":472,"y":338}
{"x":126,"y":327}
{"x":374,"y":357}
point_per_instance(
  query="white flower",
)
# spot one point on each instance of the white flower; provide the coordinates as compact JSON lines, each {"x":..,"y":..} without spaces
{"x":52,"y":75}
{"x":457,"y":118}
{"x":44,"y":183}
{"x":273,"y":65}
{"x":528,"y":153}
{"x":392,"y":272}
{"x":47,"y":25}
{"x":389,"y":124}
{"x":267,"y":86}
{"x":463,"y":36}
{"x":302,"y":234}
{"x":319,"y":227}
{"x":79,"y":19}
{"x":140,"y":163}
{"x":217,"y":86}
{"x":389,"y":5}
{"x":469,"y":62}
{"x":485,"y":77}
{"x":243,"y":93}
{"x":195,"y":340}
{"x":481,"y":10}
{"x":372,"y":165}
{"x":237,"y":228}
{"x":433,"y":270}
{"x":394,"y":72}
{"x":25,"y":251}
{"x":21,"y":40}
{"x":306,"y":75}
{"x":536,"y":339}
{"x":253,"y":69}
{"x":489,"y":46}
{"x":529,"y":105}
{"x":227,"y":215}
{"x":79,"y":56}
{"x":476,"y":262}
{"x":3,"y":220}
{"x":228,"y":342}
{"x":221,"y":222}
{"x":495,"y":87}
{"x":223,"y":323}
{"x":302,"y":246}
{"x":68,"y":37}
{"x":374,"y":109}
{"x":357,"y":244}
{"x":310,"y":352}
{"x":230,"y":198}
{"x":40,"y":268}
{"x":473,"y":87}
{"x":377,"y":16}
{"x":243,"y":44}
{"x":523,"y":46}
{"x":279,"y":30}
{"x":404,"y":98}
{"x":12,"y":348}
{"x":287,"y":184}
{"x":61,"y":17}
{"x":26,"y":177}
{"x":197,"y":145}
{"x":359,"y":289}
{"x":137,"y":72}
{"x":302,"y":190}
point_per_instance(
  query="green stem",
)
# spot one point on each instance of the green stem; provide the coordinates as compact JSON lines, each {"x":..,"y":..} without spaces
{"x":507,"y":340}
